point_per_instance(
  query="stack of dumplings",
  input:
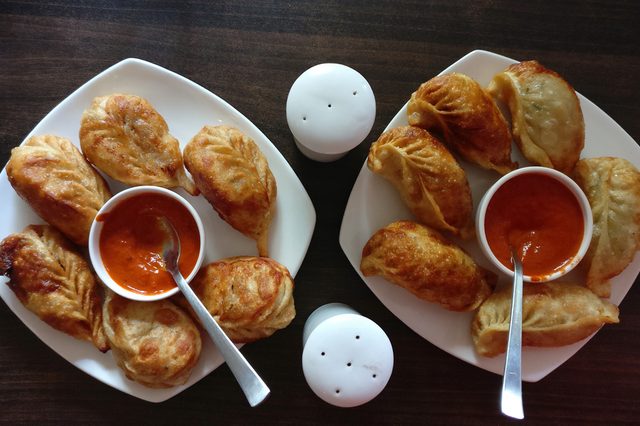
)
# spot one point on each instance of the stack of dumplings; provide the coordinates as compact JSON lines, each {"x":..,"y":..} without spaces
{"x":453,"y":112}
{"x":157,"y":343}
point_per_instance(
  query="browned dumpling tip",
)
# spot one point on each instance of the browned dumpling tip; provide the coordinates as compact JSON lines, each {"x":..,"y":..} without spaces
{"x":553,"y":314}
{"x":546,"y":117}
{"x":125,"y":137}
{"x":51,"y":174}
{"x":457,"y":108}
{"x":234,"y":176}
{"x":430,"y":180}
{"x":612,"y":186}
{"x":250,"y":297}
{"x":52,"y":280}
{"x":422,"y":261}
{"x":154,"y":343}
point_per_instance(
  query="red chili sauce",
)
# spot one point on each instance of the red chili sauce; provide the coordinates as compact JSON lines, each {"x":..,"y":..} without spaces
{"x":539,"y":215}
{"x":131,"y":242}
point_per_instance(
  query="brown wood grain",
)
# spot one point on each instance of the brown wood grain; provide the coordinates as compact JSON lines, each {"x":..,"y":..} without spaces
{"x":249,"y":53}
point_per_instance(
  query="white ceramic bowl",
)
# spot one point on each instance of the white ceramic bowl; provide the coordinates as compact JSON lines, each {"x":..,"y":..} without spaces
{"x":568,"y":183}
{"x":96,"y":230}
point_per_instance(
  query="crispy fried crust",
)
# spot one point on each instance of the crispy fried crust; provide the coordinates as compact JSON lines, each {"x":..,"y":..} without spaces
{"x":250,"y":297}
{"x":422,"y":261}
{"x":125,"y":137}
{"x":612,"y":186}
{"x":154,"y":343}
{"x":457,"y":108}
{"x":546,"y":117}
{"x":430,"y":180}
{"x":53,"y":281}
{"x":234,"y":176}
{"x":51,"y":174}
{"x":553,"y":314}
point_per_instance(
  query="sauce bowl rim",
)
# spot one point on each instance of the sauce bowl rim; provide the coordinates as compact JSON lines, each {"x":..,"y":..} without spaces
{"x":570,"y":184}
{"x":96,"y":231}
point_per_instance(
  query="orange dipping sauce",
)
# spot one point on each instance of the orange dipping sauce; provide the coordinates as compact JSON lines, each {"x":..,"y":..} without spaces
{"x":539,"y":214}
{"x":131,"y":242}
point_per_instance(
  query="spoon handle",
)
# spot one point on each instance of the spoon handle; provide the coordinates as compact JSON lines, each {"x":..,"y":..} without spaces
{"x":252,"y":385}
{"x":511,"y":403}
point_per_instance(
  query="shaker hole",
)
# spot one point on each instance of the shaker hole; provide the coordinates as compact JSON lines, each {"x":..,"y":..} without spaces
{"x":323,"y":354}
{"x":374,"y":376}
{"x":329,"y":105}
{"x":337,"y":390}
{"x":348,"y":364}
{"x":304,"y":118}
{"x":355,"y":92}
{"x":357,"y":337}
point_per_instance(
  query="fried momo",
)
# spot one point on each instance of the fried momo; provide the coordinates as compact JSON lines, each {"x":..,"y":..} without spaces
{"x":553,"y":314}
{"x":52,"y":280}
{"x":125,"y":137}
{"x":430,"y":181}
{"x":51,"y":174}
{"x":546,"y":117}
{"x":457,"y":108}
{"x":154,"y":343}
{"x":249,"y":297}
{"x":420,"y":260}
{"x":234,"y":176}
{"x":612,"y":186}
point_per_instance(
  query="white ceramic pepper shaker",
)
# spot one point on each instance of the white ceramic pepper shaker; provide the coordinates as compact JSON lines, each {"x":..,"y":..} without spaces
{"x":347,"y":359}
{"x":330,"y":110}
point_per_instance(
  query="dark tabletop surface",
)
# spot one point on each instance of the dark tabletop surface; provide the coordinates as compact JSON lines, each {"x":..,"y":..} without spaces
{"x":249,"y":53}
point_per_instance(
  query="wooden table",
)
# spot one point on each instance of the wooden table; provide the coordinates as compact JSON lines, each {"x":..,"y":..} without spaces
{"x":249,"y":53}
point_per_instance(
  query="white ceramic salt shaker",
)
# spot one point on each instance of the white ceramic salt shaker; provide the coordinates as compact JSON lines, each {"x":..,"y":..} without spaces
{"x":347,"y":359}
{"x":330,"y":110}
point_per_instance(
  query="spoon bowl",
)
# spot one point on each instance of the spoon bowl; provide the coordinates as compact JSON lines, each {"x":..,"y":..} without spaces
{"x":252,"y":385}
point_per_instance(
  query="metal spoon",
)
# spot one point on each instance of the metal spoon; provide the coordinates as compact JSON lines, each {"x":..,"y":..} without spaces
{"x":252,"y":385}
{"x":511,"y":402}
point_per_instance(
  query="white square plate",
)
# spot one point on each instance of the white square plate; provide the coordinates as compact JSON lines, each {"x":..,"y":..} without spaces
{"x":374,"y":203}
{"x":186,"y":107}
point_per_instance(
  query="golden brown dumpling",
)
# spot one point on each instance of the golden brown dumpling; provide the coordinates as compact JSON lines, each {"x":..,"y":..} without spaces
{"x":546,"y":118}
{"x":422,"y":261}
{"x":125,"y":137}
{"x":431,"y":182}
{"x":612,"y":186}
{"x":51,"y":174}
{"x":52,"y":280}
{"x":249,"y":297}
{"x":456,"y":107}
{"x":234,"y":176}
{"x":154,"y":343}
{"x":553,"y":314}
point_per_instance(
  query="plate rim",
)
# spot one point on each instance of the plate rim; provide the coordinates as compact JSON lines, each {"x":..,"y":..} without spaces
{"x":349,"y":210}
{"x":31,"y":321}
